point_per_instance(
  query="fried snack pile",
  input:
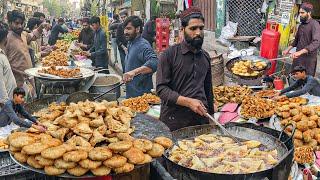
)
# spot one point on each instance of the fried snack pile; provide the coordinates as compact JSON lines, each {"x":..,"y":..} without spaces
{"x":307,"y":122}
{"x":265,"y":93}
{"x":230,"y":94}
{"x":296,"y":100}
{"x":61,"y":72}
{"x":62,"y":45}
{"x":138,"y":104}
{"x":3,"y":144}
{"x":254,"y":107}
{"x":83,"y":137}
{"x":304,"y":155}
{"x":75,"y":33}
{"x":55,"y":58}
{"x":245,"y":68}
{"x":151,"y":98}
{"x":219,"y":154}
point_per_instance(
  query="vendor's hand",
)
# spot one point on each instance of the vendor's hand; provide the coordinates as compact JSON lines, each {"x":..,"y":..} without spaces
{"x":125,"y":50}
{"x":285,"y":52}
{"x":296,"y":55}
{"x":128,"y":76}
{"x":278,"y":97}
{"x":40,"y":128}
{"x":197,"y":106}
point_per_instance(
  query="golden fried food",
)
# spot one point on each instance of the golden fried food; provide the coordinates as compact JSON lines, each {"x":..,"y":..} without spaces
{"x":124,"y":137}
{"x":89,"y":164}
{"x":297,"y":143}
{"x":138,"y":104}
{"x":55,"y":58}
{"x":100,"y":153}
{"x":34,"y":163}
{"x":124,"y":169}
{"x":54,"y":152}
{"x":163,"y":141}
{"x":304,"y":155}
{"x":44,"y":161}
{"x":62,"y":164}
{"x":134,"y":155}
{"x":120,"y":146}
{"x":52,"y":142}
{"x":298,"y":134}
{"x":97,"y":122}
{"x":253,"y":107}
{"x":77,"y":171}
{"x":59,"y":134}
{"x":245,"y":68}
{"x":147,"y":159}
{"x":21,"y":157}
{"x":151,"y":98}
{"x":230,"y":94}
{"x":115,"y":161}
{"x":302,"y":125}
{"x":14,"y":149}
{"x":75,"y":156}
{"x":22,"y":141}
{"x":34,"y":148}
{"x":96,"y":138}
{"x":156,"y":151}
{"x":143,"y":144}
{"x":53,"y":171}
{"x":61,"y":72}
{"x":101,"y":171}
{"x":265,"y":93}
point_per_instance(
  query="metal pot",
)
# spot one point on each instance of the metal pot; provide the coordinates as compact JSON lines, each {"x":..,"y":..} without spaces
{"x":101,"y":84}
{"x":270,"y":138}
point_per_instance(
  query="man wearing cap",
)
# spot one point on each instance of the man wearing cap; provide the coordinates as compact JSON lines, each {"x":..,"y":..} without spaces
{"x":307,"y":41}
{"x":184,"y":81}
{"x":304,"y":84}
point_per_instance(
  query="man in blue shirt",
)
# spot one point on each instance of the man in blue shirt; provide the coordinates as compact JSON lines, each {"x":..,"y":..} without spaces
{"x":141,"y":60}
{"x":8,"y":113}
{"x":99,"y":49}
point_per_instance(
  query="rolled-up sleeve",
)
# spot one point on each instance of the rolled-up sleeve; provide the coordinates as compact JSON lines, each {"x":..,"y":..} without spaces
{"x":13,"y":116}
{"x":315,"y":43}
{"x":164,"y":72}
{"x":150,"y":58}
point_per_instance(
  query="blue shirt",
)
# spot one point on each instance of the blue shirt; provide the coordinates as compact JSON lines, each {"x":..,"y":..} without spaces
{"x":140,"y":53}
{"x":309,"y":85}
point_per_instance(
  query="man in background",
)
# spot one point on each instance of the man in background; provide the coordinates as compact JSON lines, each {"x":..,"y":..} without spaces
{"x":121,"y":40}
{"x":55,"y":32}
{"x":149,"y":30}
{"x":86,"y":35}
{"x":113,"y":30}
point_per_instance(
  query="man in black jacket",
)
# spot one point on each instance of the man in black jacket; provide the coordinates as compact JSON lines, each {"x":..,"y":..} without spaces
{"x":113,"y":30}
{"x":121,"y":40}
{"x":55,"y":32}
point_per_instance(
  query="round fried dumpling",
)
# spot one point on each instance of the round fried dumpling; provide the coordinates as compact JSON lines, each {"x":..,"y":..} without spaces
{"x":53,"y":171}
{"x":62,"y":164}
{"x":54,"y":152}
{"x":164,"y":141}
{"x":75,"y":156}
{"x":115,"y":161}
{"x":44,"y":161}
{"x":34,"y":163}
{"x":143,"y":144}
{"x":22,"y":141}
{"x":134,"y":155}
{"x":21,"y":157}
{"x":89,"y":164}
{"x":34,"y":148}
{"x":120,"y":146}
{"x":156,"y":151}
{"x":100,"y":153}
{"x":77,"y":171}
{"x":147,"y":159}
{"x":124,"y":169}
{"x":101,"y":171}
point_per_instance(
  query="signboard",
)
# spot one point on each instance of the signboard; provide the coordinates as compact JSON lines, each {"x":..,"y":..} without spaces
{"x":285,"y":18}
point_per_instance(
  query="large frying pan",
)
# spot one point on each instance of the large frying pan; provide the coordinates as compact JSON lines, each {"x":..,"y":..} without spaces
{"x":272,"y":139}
{"x":231,"y":63}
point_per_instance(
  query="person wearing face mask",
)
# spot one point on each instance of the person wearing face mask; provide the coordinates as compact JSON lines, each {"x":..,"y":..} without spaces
{"x":86,"y":35}
{"x":307,"y":41}
{"x":141,"y":59}
{"x":17,"y":49}
{"x":184,"y":81}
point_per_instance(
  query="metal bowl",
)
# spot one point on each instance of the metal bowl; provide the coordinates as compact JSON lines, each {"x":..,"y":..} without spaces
{"x":102,"y":85}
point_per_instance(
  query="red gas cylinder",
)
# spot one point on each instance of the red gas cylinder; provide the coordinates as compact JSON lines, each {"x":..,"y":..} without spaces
{"x":270,"y":44}
{"x":278,"y":83}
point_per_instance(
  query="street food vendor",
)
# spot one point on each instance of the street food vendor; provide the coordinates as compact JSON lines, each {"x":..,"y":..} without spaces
{"x":184,"y":81}
{"x":12,"y":108}
{"x":304,"y":84}
{"x":307,"y":41}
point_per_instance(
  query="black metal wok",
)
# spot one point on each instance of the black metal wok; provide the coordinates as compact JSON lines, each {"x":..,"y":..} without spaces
{"x":231,"y":63}
{"x":269,"y":137}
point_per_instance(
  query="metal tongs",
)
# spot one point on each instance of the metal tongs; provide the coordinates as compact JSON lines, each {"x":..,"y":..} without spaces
{"x":223,"y":129}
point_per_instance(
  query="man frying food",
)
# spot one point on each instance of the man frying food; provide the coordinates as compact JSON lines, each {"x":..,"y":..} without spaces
{"x":184,"y":81}
{"x":12,"y":108}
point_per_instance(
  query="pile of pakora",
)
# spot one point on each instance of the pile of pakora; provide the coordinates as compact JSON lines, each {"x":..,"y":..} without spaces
{"x":304,"y":154}
{"x":62,"y":45}
{"x":296,"y":100}
{"x":61,"y":72}
{"x":218,"y":154}
{"x":3,"y":144}
{"x":138,"y":104}
{"x":230,"y":94}
{"x":266,"y":93}
{"x":151,"y":98}
{"x":55,"y":58}
{"x":83,"y":137}
{"x":255,"y":107}
{"x":248,"y":68}
{"x":307,"y":122}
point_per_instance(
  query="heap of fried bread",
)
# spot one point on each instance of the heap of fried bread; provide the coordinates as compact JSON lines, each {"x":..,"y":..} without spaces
{"x":83,"y":137}
{"x":255,"y":107}
{"x":61,"y":72}
{"x":55,"y":58}
{"x":307,"y":122}
{"x":138,"y":104}
{"x":151,"y":98}
{"x":219,"y":154}
{"x":230,"y":94}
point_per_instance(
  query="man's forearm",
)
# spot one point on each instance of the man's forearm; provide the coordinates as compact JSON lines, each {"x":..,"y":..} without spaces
{"x":183,"y":101}
{"x":304,"y":51}
{"x":142,"y":70}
